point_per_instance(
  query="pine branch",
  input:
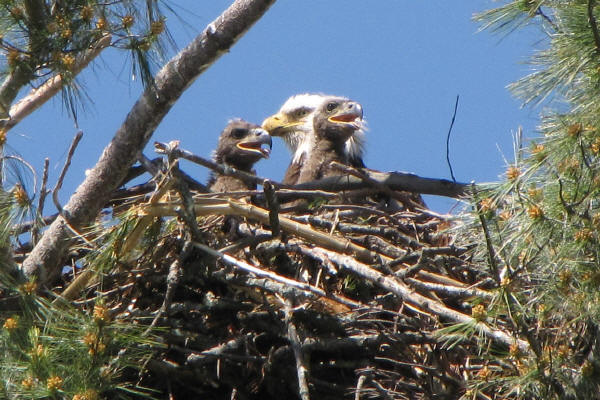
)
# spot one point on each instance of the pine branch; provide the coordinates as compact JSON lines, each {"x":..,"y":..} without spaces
{"x":176,"y":76}
{"x":40,"y":95}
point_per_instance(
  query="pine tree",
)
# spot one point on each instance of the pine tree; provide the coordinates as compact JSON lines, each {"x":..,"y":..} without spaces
{"x":538,"y":228}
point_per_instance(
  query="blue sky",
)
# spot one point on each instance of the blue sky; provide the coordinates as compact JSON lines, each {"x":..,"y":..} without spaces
{"x":404,"y":61}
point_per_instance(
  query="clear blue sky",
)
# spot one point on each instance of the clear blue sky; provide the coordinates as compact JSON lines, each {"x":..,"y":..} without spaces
{"x":405,"y":61}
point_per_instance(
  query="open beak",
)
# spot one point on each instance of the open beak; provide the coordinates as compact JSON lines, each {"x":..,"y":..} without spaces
{"x":257,"y":141}
{"x":279,"y":124}
{"x":351,"y":114}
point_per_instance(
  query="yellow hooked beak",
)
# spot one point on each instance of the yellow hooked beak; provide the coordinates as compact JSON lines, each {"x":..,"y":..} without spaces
{"x":279,"y":124}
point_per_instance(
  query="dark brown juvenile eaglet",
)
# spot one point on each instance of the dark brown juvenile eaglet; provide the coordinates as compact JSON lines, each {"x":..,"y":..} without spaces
{"x":334,"y":122}
{"x":240,"y":146}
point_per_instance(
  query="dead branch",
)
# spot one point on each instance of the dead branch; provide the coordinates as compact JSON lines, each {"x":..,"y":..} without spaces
{"x":385,"y":181}
{"x":142,"y":120}
{"x":301,"y":365}
{"x":61,"y":178}
{"x":410,"y":296}
{"x":450,"y":291}
{"x":40,"y":206}
{"x":394,"y":180}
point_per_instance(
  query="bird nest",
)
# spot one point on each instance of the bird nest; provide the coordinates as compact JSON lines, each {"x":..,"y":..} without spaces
{"x":347,"y":294}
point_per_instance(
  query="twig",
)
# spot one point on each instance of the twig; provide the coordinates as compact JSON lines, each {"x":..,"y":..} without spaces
{"x":547,"y":18}
{"x":342,"y":227}
{"x":301,"y":365}
{"x":359,"y":385}
{"x":448,"y":140}
{"x":488,"y":239}
{"x":232,"y":346}
{"x":30,"y":225}
{"x":360,"y":175}
{"x":163,"y":148}
{"x":273,"y":206}
{"x":187,"y":214}
{"x":450,"y":291}
{"x":35,"y":231}
{"x":383,"y":392}
{"x":61,"y":178}
{"x":173,"y":278}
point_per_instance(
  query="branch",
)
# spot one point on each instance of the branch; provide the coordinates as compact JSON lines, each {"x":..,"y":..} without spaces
{"x":301,"y":364}
{"x":156,"y":101}
{"x":411,"y":297}
{"x":39,"y":96}
{"x":175,"y":152}
{"x":394,"y":180}
{"x":400,"y":181}
{"x":593,"y":24}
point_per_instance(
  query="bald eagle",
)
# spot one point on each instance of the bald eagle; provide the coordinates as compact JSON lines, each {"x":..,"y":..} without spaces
{"x":335,"y":121}
{"x":293,"y":123}
{"x":240,"y":146}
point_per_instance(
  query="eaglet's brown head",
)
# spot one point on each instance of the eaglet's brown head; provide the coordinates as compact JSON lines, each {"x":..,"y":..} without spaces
{"x":337,"y":120}
{"x":242,"y":144}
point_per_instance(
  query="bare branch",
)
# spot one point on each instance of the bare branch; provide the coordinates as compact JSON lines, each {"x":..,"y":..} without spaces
{"x":61,"y":178}
{"x":41,"y":200}
{"x":156,"y":101}
{"x":394,"y":180}
{"x":399,"y":181}
{"x":301,"y":364}
{"x":426,"y":304}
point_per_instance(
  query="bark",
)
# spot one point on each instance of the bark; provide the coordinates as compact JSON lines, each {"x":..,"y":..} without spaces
{"x":178,"y":74}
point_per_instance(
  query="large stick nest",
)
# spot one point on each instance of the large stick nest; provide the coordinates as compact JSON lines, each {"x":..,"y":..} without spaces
{"x":341,"y":297}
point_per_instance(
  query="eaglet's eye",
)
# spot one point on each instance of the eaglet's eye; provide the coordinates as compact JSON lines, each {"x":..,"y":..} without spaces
{"x":331,"y":106}
{"x":238,"y":133}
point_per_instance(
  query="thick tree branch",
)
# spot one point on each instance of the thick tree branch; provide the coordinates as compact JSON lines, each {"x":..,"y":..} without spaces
{"x":176,"y":76}
{"x":400,"y":181}
{"x":394,"y":180}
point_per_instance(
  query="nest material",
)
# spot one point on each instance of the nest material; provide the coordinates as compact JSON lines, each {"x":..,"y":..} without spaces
{"x":342,"y":301}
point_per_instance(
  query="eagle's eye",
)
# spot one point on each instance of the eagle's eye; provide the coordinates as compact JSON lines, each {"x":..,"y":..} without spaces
{"x":238,"y":133}
{"x":301,"y":112}
{"x":331,"y":107}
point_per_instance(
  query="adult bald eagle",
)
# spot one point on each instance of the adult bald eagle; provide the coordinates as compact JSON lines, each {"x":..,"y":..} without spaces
{"x":240,"y":146}
{"x":335,"y":121}
{"x":293,"y":123}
